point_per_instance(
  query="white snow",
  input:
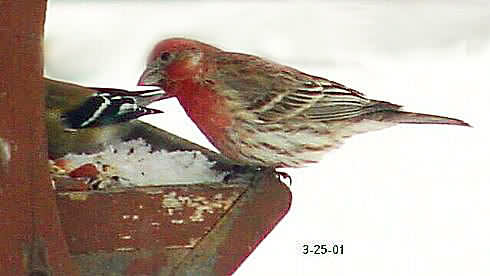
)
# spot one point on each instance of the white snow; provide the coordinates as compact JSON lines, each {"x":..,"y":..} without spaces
{"x":136,"y":165}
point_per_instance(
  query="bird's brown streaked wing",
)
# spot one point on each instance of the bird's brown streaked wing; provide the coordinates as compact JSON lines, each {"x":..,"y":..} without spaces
{"x":340,"y":103}
{"x":275,"y":92}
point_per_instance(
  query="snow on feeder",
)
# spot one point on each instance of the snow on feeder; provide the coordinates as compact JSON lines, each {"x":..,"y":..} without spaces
{"x":156,"y":203}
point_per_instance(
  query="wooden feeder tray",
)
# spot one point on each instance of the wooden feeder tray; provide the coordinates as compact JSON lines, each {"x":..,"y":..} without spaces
{"x":196,"y":229}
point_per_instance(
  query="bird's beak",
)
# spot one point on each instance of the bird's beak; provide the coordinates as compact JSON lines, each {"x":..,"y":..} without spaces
{"x":149,"y":111}
{"x":151,"y":76}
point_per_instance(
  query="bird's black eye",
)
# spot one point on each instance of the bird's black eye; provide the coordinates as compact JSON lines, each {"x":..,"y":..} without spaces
{"x":164,"y":56}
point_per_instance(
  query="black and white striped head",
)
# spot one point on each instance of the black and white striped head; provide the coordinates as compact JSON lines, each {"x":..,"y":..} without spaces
{"x":103,"y":109}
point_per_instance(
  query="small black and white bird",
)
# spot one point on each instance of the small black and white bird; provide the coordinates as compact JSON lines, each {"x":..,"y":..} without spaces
{"x":81,"y":119}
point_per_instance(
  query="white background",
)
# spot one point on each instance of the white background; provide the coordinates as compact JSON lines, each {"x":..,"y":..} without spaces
{"x":409,"y":200}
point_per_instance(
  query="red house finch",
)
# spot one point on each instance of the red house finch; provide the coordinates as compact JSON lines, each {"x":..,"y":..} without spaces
{"x":79,"y":119}
{"x":265,"y":114}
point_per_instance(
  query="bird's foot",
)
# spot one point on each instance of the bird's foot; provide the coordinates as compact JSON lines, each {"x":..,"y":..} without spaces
{"x":278,"y":174}
{"x":283,"y":175}
{"x":239,"y":173}
{"x":253,"y":174}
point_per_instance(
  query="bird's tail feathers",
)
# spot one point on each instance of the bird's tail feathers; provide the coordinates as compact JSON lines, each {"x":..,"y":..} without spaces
{"x":403,"y":117}
{"x":391,"y":113}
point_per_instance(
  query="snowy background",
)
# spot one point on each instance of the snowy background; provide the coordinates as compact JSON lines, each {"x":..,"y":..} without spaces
{"x":403,"y":201}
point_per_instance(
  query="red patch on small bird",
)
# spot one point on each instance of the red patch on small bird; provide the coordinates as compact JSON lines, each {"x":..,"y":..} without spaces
{"x":86,"y":170}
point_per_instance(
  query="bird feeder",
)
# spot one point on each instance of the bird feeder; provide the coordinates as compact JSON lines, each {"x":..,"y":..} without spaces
{"x":200,"y":229}
{"x":196,"y":229}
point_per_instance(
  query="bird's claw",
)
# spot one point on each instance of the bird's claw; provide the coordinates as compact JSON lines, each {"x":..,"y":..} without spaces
{"x":240,"y":173}
{"x":283,"y":175}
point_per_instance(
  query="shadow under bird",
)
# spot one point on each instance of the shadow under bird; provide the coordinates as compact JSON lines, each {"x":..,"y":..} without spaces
{"x":261,"y":113}
{"x":82,"y":119}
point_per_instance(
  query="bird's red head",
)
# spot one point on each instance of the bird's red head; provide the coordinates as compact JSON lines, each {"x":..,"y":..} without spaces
{"x":172,"y":60}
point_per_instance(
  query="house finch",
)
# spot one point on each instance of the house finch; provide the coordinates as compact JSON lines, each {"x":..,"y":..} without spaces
{"x":79,"y":118}
{"x":262,"y":113}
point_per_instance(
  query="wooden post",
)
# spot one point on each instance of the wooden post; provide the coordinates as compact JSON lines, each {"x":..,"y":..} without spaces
{"x":30,"y":233}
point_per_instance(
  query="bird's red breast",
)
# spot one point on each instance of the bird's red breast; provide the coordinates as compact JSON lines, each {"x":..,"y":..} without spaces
{"x":205,"y":107}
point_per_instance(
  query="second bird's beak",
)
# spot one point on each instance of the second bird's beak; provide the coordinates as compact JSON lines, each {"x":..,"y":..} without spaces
{"x":149,"y":111}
